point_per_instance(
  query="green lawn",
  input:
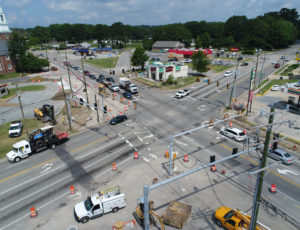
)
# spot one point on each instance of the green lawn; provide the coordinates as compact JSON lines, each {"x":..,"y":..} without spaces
{"x":13,"y":91}
{"x":289,"y":69}
{"x":104,"y":62}
{"x":219,"y":68}
{"x":276,"y":82}
{"x":9,"y":75}
{"x":278,"y":71}
{"x":181,"y":82}
{"x":7,"y":142}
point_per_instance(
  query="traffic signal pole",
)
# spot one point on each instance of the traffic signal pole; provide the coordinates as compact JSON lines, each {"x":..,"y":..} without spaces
{"x":260,"y":176}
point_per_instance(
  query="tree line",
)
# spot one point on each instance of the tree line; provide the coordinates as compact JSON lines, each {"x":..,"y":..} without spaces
{"x":270,"y":31}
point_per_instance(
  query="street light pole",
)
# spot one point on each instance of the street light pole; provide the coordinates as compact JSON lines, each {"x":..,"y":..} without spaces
{"x":260,"y":176}
{"x":262,"y":68}
{"x":21,"y":107}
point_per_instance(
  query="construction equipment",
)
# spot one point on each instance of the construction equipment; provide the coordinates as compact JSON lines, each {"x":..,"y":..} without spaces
{"x":139,"y":213}
{"x":45,"y":114}
{"x":234,"y":219}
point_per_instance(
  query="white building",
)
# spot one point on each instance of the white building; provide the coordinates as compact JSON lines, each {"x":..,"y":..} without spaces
{"x":4,"y":29}
{"x":160,"y":72}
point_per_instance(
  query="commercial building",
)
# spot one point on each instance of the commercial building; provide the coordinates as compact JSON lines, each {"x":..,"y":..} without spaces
{"x":6,"y":65}
{"x":160,"y":72}
{"x":161,"y":45}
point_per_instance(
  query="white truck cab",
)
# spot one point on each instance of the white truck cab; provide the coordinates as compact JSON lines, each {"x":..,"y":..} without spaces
{"x":20,"y":150}
{"x":98,"y":205}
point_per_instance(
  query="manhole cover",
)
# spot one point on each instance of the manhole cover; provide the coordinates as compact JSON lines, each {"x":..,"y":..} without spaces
{"x":73,"y":228}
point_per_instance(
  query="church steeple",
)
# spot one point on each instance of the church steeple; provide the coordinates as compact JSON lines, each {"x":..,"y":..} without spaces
{"x":4,"y":29}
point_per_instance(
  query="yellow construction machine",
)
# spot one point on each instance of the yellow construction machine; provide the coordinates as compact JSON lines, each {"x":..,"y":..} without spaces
{"x":45,"y":114}
{"x":139,"y":214}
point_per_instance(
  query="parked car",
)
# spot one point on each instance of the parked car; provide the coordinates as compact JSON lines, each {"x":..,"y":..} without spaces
{"x":118,"y":119}
{"x":92,"y":76}
{"x":155,"y":59}
{"x":172,"y":59}
{"x":127,"y":95}
{"x":54,"y":59}
{"x":186,"y":61}
{"x":275,"y":88}
{"x":282,"y":57}
{"x":287,"y":59}
{"x":233,"y":133}
{"x":244,"y":64}
{"x":15,"y":129}
{"x":281,"y":155}
{"x":86,"y":73}
{"x":277,"y":65}
{"x":228,"y":74}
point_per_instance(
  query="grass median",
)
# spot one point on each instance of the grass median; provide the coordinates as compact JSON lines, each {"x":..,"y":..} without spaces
{"x":275,"y":82}
{"x":220,"y":68}
{"x":13,"y":91}
{"x":9,"y":75}
{"x":6,"y":142}
{"x":104,"y":62}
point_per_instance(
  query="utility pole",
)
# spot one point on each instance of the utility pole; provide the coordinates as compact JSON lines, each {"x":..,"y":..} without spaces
{"x":250,"y":94}
{"x":233,"y":85}
{"x":63,"y":89}
{"x":262,"y":68}
{"x":68,"y":72}
{"x":87,"y":99}
{"x":97,"y":108}
{"x":21,"y":107}
{"x":260,"y":176}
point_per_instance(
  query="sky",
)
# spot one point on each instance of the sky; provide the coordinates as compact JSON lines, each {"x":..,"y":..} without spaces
{"x":31,"y":13}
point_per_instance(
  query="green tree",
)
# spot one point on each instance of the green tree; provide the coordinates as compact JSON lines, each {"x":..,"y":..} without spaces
{"x":198,"y":42}
{"x":206,"y":41}
{"x":147,"y":44}
{"x":62,"y":46}
{"x":139,"y":57}
{"x":17,"y":47}
{"x":30,"y":63}
{"x":200,"y":62}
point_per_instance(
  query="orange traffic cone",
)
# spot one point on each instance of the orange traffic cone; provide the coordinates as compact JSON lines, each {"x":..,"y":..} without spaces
{"x":136,"y":156}
{"x":185,"y":158}
{"x":273,"y":188}
{"x":114,"y":167}
{"x":33,"y":212}
{"x":125,"y":108}
{"x":72,"y":189}
{"x":120,"y":113}
{"x":213,"y":168}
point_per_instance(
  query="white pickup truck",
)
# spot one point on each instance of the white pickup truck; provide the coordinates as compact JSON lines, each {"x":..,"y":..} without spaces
{"x":182,"y":93}
{"x":108,"y":200}
{"x":15,"y":129}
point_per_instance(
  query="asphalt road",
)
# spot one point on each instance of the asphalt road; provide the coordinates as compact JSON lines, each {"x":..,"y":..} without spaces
{"x":87,"y":157}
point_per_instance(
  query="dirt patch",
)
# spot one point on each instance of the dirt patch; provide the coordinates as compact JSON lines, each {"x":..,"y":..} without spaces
{"x":80,"y":116}
{"x":60,"y":95}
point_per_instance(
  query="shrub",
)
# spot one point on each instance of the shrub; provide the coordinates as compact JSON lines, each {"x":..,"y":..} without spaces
{"x":170,"y":80}
{"x":248,"y":52}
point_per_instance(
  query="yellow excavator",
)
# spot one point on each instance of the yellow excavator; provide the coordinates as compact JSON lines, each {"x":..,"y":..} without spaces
{"x":45,"y":114}
{"x":139,"y":214}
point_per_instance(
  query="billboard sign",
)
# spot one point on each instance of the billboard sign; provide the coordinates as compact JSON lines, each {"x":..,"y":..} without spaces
{"x":234,"y":49}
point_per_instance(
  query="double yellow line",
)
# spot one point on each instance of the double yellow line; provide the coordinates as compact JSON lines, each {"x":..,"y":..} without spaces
{"x":52,"y":159}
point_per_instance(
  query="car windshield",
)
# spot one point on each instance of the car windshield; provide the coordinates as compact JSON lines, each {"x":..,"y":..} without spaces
{"x":228,"y":214}
{"x":287,"y":155}
{"x":241,"y":134}
{"x":13,"y":127}
{"x":88,"y":204}
{"x":15,"y":150}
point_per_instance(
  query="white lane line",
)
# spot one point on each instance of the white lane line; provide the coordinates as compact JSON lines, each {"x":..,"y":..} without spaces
{"x":141,"y":140}
{"x":181,"y":143}
{"x":145,"y":159}
{"x":151,"y":135}
{"x":50,"y":171}
{"x":153,"y":156}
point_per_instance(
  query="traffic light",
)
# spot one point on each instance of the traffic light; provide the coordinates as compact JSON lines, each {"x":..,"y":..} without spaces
{"x":95,"y":106}
{"x":105,"y":109}
{"x":81,"y":101}
{"x":234,"y":150}
{"x":113,"y":72}
{"x":212,"y":158}
{"x":275,"y":144}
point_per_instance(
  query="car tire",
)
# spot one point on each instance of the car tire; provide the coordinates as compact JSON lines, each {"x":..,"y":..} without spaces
{"x":84,"y":220}
{"x":219,"y":223}
{"x":234,"y":138}
{"x":17,"y":159}
{"x":221,"y":132}
{"x":115,"y":209}
{"x":52,"y":146}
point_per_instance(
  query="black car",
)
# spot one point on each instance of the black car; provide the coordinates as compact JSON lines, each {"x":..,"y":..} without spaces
{"x":110,"y":79}
{"x":86,"y":73}
{"x":118,"y":119}
{"x":127,"y":95}
{"x":76,"y":68}
{"x":244,"y":64}
{"x":92,"y":76}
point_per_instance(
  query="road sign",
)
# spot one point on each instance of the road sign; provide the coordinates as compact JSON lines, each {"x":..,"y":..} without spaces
{"x":298,"y":56}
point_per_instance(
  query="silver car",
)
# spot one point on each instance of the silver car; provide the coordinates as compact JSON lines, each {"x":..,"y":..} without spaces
{"x":233,"y":133}
{"x":281,"y":155}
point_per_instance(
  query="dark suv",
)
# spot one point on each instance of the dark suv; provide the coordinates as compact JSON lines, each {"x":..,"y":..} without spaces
{"x":118,"y":119}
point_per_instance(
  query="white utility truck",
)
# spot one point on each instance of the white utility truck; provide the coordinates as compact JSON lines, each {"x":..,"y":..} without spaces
{"x":39,"y":140}
{"x":107,"y":200}
{"x":124,"y":83}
